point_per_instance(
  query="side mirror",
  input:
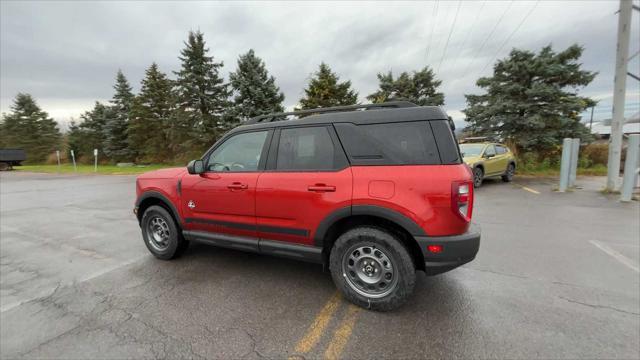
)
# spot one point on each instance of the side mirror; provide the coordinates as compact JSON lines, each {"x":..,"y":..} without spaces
{"x":489,"y":156}
{"x":195,"y":167}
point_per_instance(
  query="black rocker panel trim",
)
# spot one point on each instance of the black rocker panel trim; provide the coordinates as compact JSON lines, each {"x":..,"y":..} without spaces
{"x":372,"y":210}
{"x":241,"y":226}
{"x":269,"y":247}
{"x":243,"y":243}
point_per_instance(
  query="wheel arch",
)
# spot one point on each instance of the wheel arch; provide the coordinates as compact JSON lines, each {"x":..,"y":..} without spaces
{"x":347,"y":218}
{"x":151,"y":198}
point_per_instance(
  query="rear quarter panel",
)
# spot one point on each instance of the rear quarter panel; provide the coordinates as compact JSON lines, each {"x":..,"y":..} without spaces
{"x":420,"y":192}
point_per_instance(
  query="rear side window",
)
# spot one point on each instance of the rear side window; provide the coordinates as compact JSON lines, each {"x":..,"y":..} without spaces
{"x":500,"y":150}
{"x":308,"y":148}
{"x":399,"y":143}
{"x":446,"y":140}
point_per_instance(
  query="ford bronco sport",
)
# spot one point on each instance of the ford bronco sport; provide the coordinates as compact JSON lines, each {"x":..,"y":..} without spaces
{"x":372,"y":192}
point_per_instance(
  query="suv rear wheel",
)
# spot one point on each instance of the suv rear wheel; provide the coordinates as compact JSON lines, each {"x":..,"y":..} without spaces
{"x":161,"y":234}
{"x":508,"y":175}
{"x":372,"y":268}
{"x":478,"y":176}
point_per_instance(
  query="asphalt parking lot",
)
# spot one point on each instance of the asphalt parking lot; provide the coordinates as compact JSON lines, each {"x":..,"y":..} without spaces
{"x":557,"y":276}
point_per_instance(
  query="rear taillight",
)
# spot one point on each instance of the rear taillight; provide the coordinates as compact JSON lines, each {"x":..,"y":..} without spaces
{"x":462,"y":199}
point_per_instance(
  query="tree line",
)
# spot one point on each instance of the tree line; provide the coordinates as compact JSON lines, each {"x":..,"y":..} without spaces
{"x":531,"y":98}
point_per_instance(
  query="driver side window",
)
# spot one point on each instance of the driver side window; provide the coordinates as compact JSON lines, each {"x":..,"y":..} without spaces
{"x":238,"y":153}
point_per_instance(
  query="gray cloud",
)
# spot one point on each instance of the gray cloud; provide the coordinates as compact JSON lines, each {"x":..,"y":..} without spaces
{"x":66,"y":53}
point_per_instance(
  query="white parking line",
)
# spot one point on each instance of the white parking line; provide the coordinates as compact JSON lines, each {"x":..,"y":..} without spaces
{"x":616,"y":255}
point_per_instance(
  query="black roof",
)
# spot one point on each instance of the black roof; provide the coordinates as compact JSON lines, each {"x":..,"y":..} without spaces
{"x":396,"y":111}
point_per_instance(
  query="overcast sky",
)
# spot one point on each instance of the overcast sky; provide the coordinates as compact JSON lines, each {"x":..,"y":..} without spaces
{"x":66,"y":54}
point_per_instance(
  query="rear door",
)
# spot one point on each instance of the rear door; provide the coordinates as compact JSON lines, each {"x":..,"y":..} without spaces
{"x":307,"y":178}
{"x":222,"y":200}
{"x":491,"y":162}
{"x":502,"y":158}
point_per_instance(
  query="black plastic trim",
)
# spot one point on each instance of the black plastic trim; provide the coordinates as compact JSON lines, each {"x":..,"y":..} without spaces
{"x":293,"y":251}
{"x":251,"y":227}
{"x":269,"y":247}
{"x":457,"y":250}
{"x":372,"y":210}
{"x":325,"y":224}
{"x":391,"y":215}
{"x":229,"y":241}
{"x":159,"y":196}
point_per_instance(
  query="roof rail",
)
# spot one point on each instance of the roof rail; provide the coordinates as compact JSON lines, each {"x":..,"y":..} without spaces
{"x":282,"y":116}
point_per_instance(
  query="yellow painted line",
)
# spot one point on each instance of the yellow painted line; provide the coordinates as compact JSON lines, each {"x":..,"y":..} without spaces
{"x":530,"y":190}
{"x":316,"y":329}
{"x":342,"y":334}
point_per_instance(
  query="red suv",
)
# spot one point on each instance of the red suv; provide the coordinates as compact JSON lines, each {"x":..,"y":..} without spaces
{"x":372,"y":192}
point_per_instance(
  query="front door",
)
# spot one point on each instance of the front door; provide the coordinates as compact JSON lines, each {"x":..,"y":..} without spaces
{"x":222,"y":200}
{"x":307,"y":180}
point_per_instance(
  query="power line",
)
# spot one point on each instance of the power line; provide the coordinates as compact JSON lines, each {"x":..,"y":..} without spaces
{"x":472,"y":61}
{"x":433,"y":25}
{"x":475,"y":21}
{"x":511,"y":35}
{"x":453,"y":26}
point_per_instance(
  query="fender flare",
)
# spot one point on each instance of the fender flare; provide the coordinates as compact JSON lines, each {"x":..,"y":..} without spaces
{"x":151,"y":194}
{"x":372,"y":210}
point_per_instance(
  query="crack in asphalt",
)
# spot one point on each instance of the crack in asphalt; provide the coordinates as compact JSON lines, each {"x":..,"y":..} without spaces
{"x":596,"y":306}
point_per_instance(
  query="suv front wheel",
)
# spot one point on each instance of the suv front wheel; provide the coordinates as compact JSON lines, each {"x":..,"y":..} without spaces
{"x":161,"y":234}
{"x":372,"y":268}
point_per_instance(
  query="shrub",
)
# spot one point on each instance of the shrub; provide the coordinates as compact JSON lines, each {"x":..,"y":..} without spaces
{"x":594,"y":154}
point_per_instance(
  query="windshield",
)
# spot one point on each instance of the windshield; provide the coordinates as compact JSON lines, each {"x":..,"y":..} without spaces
{"x":471,"y":149}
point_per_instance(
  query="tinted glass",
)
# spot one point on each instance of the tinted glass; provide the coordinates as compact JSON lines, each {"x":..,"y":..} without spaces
{"x":238,"y":153}
{"x":446,"y":140}
{"x":309,"y":148}
{"x":500,"y":149}
{"x":401,"y":143}
{"x":490,"y":150}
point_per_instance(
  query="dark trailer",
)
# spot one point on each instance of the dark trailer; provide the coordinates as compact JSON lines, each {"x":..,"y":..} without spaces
{"x":11,"y":157}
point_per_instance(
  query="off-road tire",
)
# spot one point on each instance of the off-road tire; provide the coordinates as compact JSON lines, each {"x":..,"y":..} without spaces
{"x":508,"y":174}
{"x":478,"y":177}
{"x":392,"y":249}
{"x":175,"y":242}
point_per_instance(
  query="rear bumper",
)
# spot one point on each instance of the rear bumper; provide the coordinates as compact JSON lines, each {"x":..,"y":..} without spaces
{"x":456,"y":250}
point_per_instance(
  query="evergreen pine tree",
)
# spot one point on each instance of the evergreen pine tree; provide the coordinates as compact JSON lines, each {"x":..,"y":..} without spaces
{"x":151,"y":112}
{"x":203,"y":98}
{"x":88,"y":134}
{"x":116,"y":144}
{"x":255,"y":91}
{"x":325,"y":90}
{"x":30,"y":128}
{"x":532,"y":99}
{"x":421,"y":88}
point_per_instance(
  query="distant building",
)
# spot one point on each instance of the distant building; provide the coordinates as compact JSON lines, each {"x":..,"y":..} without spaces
{"x":602,"y":129}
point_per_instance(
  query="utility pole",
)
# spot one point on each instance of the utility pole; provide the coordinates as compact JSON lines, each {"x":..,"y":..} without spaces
{"x":619,"y":92}
{"x":591,"y":121}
